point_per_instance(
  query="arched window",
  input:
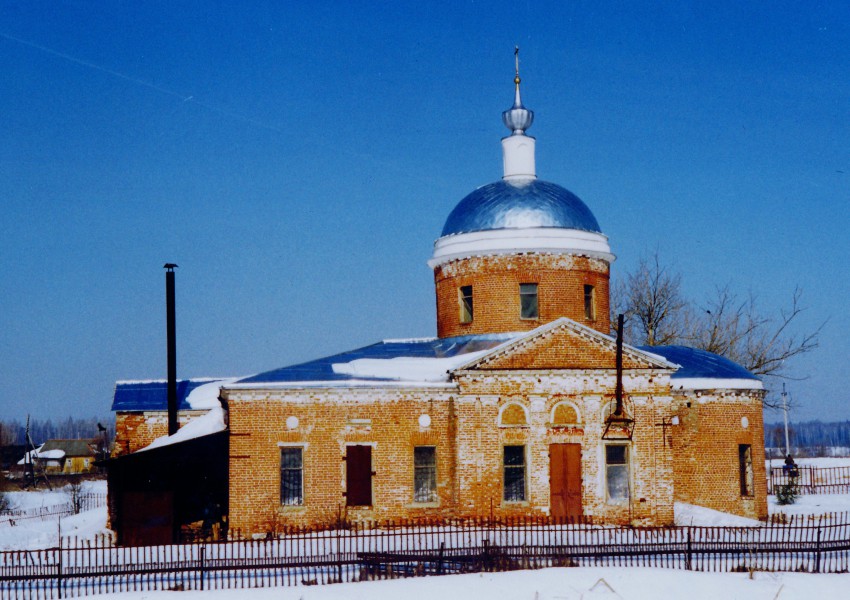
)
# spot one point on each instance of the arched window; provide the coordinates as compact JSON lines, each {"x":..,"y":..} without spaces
{"x":513,"y":415}
{"x":565,"y":413}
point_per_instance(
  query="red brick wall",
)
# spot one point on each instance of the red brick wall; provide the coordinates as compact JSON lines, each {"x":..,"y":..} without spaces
{"x":706,"y":451}
{"x":495,"y":281}
{"x":136,"y":430}
{"x":327,"y":421}
{"x":468,"y":435}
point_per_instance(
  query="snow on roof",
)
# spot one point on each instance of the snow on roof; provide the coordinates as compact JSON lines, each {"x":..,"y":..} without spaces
{"x":70,"y":447}
{"x":153,"y":395}
{"x":425,"y":362}
{"x":211,"y":422}
{"x":206,"y":396}
{"x":39,"y":454}
{"x":404,"y":368}
{"x":421,"y":361}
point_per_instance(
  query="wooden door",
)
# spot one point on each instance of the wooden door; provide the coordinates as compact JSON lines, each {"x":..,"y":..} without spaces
{"x":565,"y":480}
{"x":147,"y":518}
{"x":358,"y":476}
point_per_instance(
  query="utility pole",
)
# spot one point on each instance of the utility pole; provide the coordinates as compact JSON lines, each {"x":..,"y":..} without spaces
{"x":785,"y":410}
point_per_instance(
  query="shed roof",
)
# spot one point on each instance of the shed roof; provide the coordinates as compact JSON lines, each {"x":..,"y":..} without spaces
{"x":137,"y":396}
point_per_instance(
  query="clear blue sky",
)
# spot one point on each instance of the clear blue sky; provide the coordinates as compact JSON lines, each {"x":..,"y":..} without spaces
{"x":298,"y":159}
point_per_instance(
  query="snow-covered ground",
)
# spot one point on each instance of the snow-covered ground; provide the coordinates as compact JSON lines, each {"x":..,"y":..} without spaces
{"x":590,"y":583}
{"x":584,"y":583}
{"x":29,"y":534}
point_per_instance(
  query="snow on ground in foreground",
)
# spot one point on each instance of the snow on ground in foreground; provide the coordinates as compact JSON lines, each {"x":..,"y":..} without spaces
{"x":31,"y":534}
{"x":587,"y":583}
{"x":811,"y":504}
{"x":690,"y":514}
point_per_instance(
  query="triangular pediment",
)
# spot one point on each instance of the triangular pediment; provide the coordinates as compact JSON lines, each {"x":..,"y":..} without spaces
{"x":564,"y":344}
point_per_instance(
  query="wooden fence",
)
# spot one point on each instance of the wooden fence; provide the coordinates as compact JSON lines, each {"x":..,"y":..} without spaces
{"x":73,"y":506}
{"x":404,"y":549}
{"x":811,"y":480}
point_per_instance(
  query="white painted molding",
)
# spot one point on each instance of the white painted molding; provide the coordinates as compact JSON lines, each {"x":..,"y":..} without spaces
{"x":545,"y":240}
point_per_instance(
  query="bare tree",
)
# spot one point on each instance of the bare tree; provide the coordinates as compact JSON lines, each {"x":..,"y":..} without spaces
{"x":651,"y":300}
{"x":75,"y":493}
{"x":657,"y":313}
{"x":738,"y":330}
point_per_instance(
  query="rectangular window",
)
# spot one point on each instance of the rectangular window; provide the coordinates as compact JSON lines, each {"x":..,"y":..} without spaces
{"x":358,"y":476}
{"x":617,"y":473}
{"x":466,"y":304}
{"x":291,"y":476}
{"x":424,"y":474}
{"x":745,"y":468}
{"x":528,"y":301}
{"x":589,"y":303}
{"x":514,"y":465}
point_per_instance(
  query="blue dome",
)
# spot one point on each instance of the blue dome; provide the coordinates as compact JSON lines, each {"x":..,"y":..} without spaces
{"x":509,"y":205}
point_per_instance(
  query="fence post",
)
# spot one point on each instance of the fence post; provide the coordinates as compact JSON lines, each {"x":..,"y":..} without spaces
{"x":688,"y":556}
{"x":203,"y":556}
{"x":440,"y":558}
{"x":338,"y":533}
{"x":817,"y":551}
{"x":59,"y":568}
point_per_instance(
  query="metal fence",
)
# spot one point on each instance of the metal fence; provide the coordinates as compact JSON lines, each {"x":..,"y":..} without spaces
{"x":358,"y":552}
{"x":811,"y":480}
{"x":73,"y":506}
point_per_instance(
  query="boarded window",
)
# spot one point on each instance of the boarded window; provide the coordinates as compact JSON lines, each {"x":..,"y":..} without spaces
{"x":589,"y":303}
{"x":358,"y":476}
{"x":528,"y":300}
{"x":466,"y":311}
{"x":514,"y":465}
{"x":564,"y":414}
{"x":424,"y":474}
{"x":617,"y":472}
{"x":745,"y":468}
{"x":291,"y":476}
{"x":513,"y":414}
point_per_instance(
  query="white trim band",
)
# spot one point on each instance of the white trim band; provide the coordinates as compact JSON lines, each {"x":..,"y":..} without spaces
{"x":551,"y":240}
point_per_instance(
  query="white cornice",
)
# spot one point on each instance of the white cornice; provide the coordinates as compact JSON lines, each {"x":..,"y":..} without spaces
{"x":549,"y":240}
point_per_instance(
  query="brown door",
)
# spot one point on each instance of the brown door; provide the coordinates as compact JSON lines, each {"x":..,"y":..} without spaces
{"x":147,"y":518}
{"x":565,"y":480}
{"x":358,"y":476}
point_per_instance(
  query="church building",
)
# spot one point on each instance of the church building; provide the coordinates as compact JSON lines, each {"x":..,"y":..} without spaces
{"x":524,"y":403}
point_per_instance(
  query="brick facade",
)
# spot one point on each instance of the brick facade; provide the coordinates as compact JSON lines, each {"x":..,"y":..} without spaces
{"x":713,"y":424}
{"x":499,"y":402}
{"x":136,"y":430}
{"x":496,"y":279}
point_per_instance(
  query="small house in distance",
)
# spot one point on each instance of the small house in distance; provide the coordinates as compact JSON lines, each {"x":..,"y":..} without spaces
{"x":522,"y":405}
{"x":68,"y":457}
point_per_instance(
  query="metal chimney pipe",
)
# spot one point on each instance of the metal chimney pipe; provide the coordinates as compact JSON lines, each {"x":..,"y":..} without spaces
{"x":172,"y":348}
{"x":619,"y":390}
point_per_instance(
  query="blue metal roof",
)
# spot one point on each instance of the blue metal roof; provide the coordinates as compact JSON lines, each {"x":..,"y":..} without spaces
{"x":322,"y":369}
{"x":529,"y":203}
{"x":152,"y":395}
{"x":699,"y":363}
